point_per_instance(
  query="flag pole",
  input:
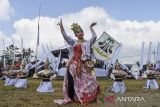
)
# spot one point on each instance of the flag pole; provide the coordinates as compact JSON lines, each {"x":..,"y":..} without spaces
{"x":142,"y":56}
{"x":22,"y":48}
{"x":37,"y":38}
{"x":4,"y":59}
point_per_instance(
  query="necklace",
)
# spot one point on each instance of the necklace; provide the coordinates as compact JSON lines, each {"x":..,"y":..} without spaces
{"x":80,"y":41}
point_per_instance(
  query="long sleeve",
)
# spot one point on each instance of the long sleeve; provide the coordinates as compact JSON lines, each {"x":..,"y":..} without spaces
{"x":123,"y":73}
{"x":94,"y":37}
{"x":68,"y":39}
{"x":51,"y":72}
{"x":40,"y":73}
{"x":114,"y":72}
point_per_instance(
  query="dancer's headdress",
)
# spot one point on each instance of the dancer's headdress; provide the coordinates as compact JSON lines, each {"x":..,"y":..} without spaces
{"x":47,"y":62}
{"x":76,"y":28}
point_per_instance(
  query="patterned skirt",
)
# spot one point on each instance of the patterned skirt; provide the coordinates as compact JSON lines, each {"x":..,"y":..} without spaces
{"x":83,"y":89}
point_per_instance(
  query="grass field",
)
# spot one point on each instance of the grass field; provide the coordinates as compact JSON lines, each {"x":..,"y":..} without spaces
{"x":13,"y":97}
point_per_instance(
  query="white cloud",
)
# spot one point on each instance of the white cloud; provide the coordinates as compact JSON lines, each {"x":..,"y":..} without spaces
{"x":129,"y":33}
{"x":6,"y":39}
{"x":6,"y":11}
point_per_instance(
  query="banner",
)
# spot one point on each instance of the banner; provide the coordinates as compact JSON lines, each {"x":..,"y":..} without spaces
{"x":149,"y":53}
{"x":105,"y":47}
{"x":142,"y":56}
{"x":158,"y":53}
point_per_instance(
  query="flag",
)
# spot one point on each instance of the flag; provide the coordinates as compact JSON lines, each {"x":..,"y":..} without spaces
{"x":149,"y":53}
{"x":142,"y":56}
{"x":105,"y":47}
{"x":14,"y":56}
{"x":22,"y":47}
{"x":43,"y":48}
{"x":158,"y":53}
{"x":37,"y":45}
{"x":49,"y":51}
{"x":51,"y":46}
{"x":51,"y":57}
{"x":48,"y":48}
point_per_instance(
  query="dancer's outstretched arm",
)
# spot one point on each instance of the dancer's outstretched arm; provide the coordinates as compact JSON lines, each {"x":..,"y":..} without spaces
{"x":94,"y":36}
{"x":68,"y":39}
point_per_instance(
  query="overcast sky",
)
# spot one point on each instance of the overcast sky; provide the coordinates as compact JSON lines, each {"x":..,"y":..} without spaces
{"x":128,"y":21}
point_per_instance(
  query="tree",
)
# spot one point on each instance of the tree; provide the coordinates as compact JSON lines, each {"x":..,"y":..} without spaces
{"x":12,"y":54}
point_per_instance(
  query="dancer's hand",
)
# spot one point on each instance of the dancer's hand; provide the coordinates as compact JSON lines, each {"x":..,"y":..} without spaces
{"x":61,"y":25}
{"x":93,"y":24}
{"x":60,"y":22}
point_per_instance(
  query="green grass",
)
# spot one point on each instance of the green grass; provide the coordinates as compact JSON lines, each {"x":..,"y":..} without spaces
{"x":13,"y":97}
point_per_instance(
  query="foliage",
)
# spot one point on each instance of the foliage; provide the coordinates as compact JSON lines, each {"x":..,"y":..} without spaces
{"x":12,"y":53}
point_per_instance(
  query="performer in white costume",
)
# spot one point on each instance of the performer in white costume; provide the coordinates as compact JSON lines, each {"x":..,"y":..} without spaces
{"x":4,"y":75}
{"x":22,"y":76}
{"x":151,"y":82}
{"x":118,"y":85}
{"x":11,"y":76}
{"x":46,"y":84}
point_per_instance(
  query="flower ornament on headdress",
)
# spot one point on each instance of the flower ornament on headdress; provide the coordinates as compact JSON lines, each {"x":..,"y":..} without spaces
{"x":76,"y":28}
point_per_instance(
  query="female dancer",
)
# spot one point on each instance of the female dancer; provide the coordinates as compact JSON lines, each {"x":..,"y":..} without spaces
{"x":22,"y":76}
{"x":46,"y":84}
{"x":80,"y":83}
{"x":151,"y":82}
{"x":118,"y":85}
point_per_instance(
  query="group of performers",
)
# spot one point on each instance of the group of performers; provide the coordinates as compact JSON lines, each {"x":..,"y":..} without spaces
{"x":80,"y":84}
{"x":120,"y":75}
{"x":17,"y":78}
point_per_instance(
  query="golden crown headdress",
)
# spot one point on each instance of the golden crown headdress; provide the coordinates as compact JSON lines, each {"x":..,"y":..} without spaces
{"x":47,"y":62}
{"x":76,"y":28}
{"x":149,"y":65}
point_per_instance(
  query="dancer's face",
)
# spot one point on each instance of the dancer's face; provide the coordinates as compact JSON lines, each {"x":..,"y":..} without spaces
{"x":79,"y":34}
{"x":118,"y":67}
{"x":149,"y":67}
